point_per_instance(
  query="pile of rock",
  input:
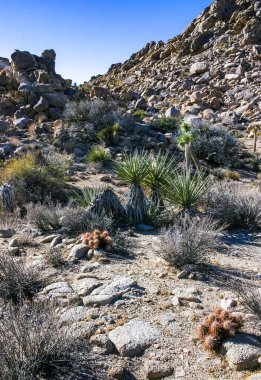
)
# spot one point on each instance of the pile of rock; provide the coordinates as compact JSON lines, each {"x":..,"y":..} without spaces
{"x":30,"y":89}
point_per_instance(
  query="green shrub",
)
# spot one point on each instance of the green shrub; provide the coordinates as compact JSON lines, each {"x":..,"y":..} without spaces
{"x":98,"y":155}
{"x":110,"y":135}
{"x":140,"y":114}
{"x":86,"y":195}
{"x":166,"y":123}
{"x":185,"y":189}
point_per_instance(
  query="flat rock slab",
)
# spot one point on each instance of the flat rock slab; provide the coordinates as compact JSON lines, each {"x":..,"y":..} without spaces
{"x":86,"y":286}
{"x":106,"y":294}
{"x":58,"y":289}
{"x":73,"y":315}
{"x":242,"y":351}
{"x":134,"y":337}
{"x":256,"y":376}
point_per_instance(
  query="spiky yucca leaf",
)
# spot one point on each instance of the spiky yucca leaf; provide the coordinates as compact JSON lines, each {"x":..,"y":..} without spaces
{"x":160,"y":167}
{"x":134,"y":168}
{"x":185,"y":189}
{"x":85,"y":198}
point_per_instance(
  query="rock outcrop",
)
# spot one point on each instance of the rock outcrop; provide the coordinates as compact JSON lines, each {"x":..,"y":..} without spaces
{"x":30,"y":89}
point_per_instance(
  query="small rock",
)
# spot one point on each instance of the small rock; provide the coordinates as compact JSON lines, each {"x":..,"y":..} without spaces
{"x":157,"y":370}
{"x":242,"y":351}
{"x":6,"y":233}
{"x":134,"y":337}
{"x":14,"y":243}
{"x":103,"y":342}
{"x":48,"y":239}
{"x":182,"y":274}
{"x":228,"y":303}
{"x":78,"y":252}
{"x":57,"y":240}
{"x":144,"y":227}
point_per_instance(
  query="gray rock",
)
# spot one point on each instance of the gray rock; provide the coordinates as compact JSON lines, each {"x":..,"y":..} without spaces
{"x":99,"y":300}
{"x":6,"y":233}
{"x":73,"y":315}
{"x":4,"y":126}
{"x":172,"y":112}
{"x":116,"y":288}
{"x":141,"y":103}
{"x":86,"y":286}
{"x":23,"y":60}
{"x":57,"y":240}
{"x":42,"y":76}
{"x":22,"y":122}
{"x":103,"y":342}
{"x":78,"y":252}
{"x":198,"y":68}
{"x":134,"y":337}
{"x":14,"y":243}
{"x":157,"y":369}
{"x":82,"y":330}
{"x":58,"y":288}
{"x":242,"y":351}
{"x":56,"y":99}
{"x":48,"y":239}
{"x":190,"y":294}
{"x":41,"y":105}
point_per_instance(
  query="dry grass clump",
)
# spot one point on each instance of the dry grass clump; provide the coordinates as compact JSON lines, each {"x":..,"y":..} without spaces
{"x":216,"y":327}
{"x":9,"y":220}
{"x":97,"y":239}
{"x":32,"y":344}
{"x":76,"y":220}
{"x":189,"y":241}
{"x":249,"y":295}
{"x":44,"y":217}
{"x":235,"y":205}
{"x":54,"y":257}
{"x":17,"y":280}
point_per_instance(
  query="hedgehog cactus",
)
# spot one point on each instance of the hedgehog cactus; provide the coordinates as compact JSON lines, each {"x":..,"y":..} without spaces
{"x":216,"y":327}
{"x":7,"y":198}
{"x":97,"y":239}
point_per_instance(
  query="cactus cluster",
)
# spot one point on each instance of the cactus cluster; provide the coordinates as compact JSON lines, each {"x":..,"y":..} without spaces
{"x":216,"y":327}
{"x":97,"y":239}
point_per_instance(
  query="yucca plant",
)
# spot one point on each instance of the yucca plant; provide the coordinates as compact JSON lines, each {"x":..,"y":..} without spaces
{"x":185,"y":140}
{"x":87,"y":195}
{"x":185,"y":189}
{"x":134,"y":169}
{"x":160,"y":167}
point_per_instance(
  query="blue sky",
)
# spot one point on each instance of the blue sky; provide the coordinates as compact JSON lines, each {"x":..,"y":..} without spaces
{"x":89,"y":35}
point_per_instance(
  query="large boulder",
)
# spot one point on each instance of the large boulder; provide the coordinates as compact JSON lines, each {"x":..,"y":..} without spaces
{"x":23,"y":60}
{"x":198,"y":68}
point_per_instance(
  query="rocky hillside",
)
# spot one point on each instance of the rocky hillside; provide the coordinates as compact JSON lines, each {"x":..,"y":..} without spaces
{"x":210,"y":71}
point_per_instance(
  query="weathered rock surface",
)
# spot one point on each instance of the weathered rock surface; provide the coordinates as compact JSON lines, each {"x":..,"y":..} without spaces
{"x":242,"y":351}
{"x":134,"y":337}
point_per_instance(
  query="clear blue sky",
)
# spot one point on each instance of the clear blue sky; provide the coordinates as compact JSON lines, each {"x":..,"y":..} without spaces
{"x":89,"y":35}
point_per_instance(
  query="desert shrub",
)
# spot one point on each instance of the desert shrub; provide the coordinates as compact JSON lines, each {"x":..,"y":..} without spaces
{"x":235,"y":205}
{"x":185,"y":189}
{"x":100,"y":113}
{"x":97,"y":239}
{"x":32,"y":344}
{"x":249,"y":294}
{"x":216,"y":327}
{"x":17,"y":280}
{"x":189,"y":241}
{"x":54,"y":257}
{"x":77,"y":220}
{"x":98,"y":155}
{"x":110,"y":135}
{"x":36,"y":176}
{"x":86,"y":195}
{"x":9,"y":220}
{"x":215,"y":144}
{"x":166,"y":123}
{"x":140,"y":114}
{"x":46,"y":217}
{"x":122,"y":243}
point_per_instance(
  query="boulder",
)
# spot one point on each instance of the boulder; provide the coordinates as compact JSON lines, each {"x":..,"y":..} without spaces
{"x":172,"y":112}
{"x":199,"y":68}
{"x":242,"y":351}
{"x":41,"y":105}
{"x":56,"y":99}
{"x":23,"y":60}
{"x":141,"y":104}
{"x":78,"y":252}
{"x":134,"y":337}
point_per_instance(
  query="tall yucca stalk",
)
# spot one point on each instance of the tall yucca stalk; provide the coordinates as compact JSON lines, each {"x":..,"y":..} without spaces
{"x":134,"y":169}
{"x":185,"y":189}
{"x":160,"y":168}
